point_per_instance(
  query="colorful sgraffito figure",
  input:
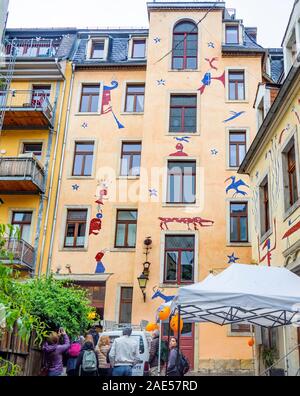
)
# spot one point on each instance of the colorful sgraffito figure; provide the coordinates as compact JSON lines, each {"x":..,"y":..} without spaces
{"x":292,"y":230}
{"x":179,"y":153}
{"x":211,"y":62}
{"x":195,"y":221}
{"x":232,"y":259}
{"x":267,"y":245}
{"x":158,"y":293}
{"x":100,"y":269}
{"x":207,"y":79}
{"x":95,"y":226}
{"x":235,"y":115}
{"x":106,"y":102}
{"x":235,"y":185}
{"x":296,"y":114}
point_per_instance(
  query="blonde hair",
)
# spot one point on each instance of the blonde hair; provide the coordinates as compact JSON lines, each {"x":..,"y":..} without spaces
{"x":53,"y":338}
{"x":104,"y":340}
{"x":89,"y":338}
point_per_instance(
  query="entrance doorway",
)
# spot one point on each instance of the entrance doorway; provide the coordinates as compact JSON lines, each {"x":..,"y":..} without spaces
{"x":187,"y":341}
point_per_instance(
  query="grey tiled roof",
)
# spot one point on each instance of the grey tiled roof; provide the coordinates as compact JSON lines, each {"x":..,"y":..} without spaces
{"x":277,"y":63}
{"x":117,"y":50}
{"x":249,"y":44}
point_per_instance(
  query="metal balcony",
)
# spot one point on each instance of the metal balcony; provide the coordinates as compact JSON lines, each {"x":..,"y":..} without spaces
{"x":23,"y":254}
{"x":35,"y":47}
{"x":26,"y":109}
{"x":21,"y":175}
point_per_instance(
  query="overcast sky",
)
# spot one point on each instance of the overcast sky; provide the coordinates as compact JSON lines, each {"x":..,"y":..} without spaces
{"x":270,"y":16}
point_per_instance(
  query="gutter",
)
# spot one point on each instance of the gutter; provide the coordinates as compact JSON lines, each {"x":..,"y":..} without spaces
{"x":60,"y":173}
{"x":262,"y":133}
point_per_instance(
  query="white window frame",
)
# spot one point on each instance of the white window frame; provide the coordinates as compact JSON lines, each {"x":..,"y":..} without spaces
{"x":246,"y":75}
{"x":80,"y":87}
{"x":232,"y":201}
{"x":130,"y":47}
{"x":124,"y":97}
{"x":261,"y":182}
{"x":97,"y":39}
{"x":228,"y":131}
{"x":240,"y":32}
{"x":70,"y":163}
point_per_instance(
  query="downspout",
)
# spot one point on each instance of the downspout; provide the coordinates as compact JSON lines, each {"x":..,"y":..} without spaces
{"x":43,"y":196}
{"x":60,"y":173}
{"x":51,"y":181}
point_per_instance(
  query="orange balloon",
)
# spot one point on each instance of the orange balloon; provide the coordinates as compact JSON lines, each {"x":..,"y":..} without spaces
{"x":164,"y":313}
{"x":151,"y":326}
{"x":251,"y":342}
{"x":174,"y":324}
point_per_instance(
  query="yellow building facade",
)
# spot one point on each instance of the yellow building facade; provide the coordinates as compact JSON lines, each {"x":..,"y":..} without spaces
{"x":158,"y":124}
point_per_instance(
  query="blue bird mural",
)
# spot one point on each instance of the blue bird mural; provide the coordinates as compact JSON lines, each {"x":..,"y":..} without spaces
{"x":235,"y":115}
{"x":235,"y":185}
{"x":185,"y":139}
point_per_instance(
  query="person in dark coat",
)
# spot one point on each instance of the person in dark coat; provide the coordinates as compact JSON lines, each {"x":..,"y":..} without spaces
{"x":154,"y":351}
{"x":172,"y":368}
{"x":87,"y":346}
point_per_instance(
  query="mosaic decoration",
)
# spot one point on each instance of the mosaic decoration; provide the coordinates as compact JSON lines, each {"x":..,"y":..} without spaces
{"x":184,"y":139}
{"x":211,"y":62}
{"x":235,"y":185}
{"x":100,"y":268}
{"x":153,"y":192}
{"x":106,"y":102}
{"x":207,"y":79}
{"x":214,"y":152}
{"x":179,"y":152}
{"x":75,"y":187}
{"x":267,"y":245}
{"x":157,"y":40}
{"x":232,"y":259}
{"x":293,"y":229}
{"x":84,"y":125}
{"x":211,"y":45}
{"x":235,"y":115}
{"x":195,"y":221}
{"x":158,"y":293}
{"x":161,"y":82}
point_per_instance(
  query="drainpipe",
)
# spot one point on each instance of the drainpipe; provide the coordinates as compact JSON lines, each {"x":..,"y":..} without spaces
{"x":43,"y":196}
{"x":60,"y":172}
{"x":51,"y":182}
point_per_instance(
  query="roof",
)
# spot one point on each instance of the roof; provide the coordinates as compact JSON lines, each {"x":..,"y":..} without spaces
{"x":276,"y":63}
{"x":249,"y":44}
{"x":117,"y":51}
{"x":279,"y":103}
{"x":169,"y":5}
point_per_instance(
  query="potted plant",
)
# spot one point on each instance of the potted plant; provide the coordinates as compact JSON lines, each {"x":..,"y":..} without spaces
{"x":269,"y":357}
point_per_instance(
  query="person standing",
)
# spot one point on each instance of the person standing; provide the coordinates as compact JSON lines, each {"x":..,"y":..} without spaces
{"x":173,"y":369}
{"x":54,"y":352}
{"x":87,"y":363}
{"x":72,"y":355}
{"x":154,"y":351}
{"x":124,"y":354}
{"x":102,"y":350}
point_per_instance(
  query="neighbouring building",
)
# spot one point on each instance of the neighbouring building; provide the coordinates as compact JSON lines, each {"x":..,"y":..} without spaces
{"x":3,"y":18}
{"x":158,"y":124}
{"x":273,"y":163}
{"x":33,"y":103}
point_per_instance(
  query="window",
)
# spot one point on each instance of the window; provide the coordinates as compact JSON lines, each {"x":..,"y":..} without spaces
{"x":264,"y":207}
{"x":236,"y":85}
{"x":131,"y":159}
{"x":237,"y":148}
{"x":185,"y":46}
{"x":39,"y":94}
{"x":126,"y":305}
{"x":290,"y":175}
{"x":179,"y":259}
{"x":90,"y":98}
{"x":83,"y":159}
{"x":181,"y":182}
{"x":22,"y":222}
{"x":126,"y":229}
{"x":135,"y":96}
{"x":98,"y":48}
{"x":183,"y":113}
{"x":239,"y":222}
{"x":138,"y":48}
{"x":232,"y":34}
{"x":240,"y":328}
{"x":76,"y":228}
{"x":34,"y":148}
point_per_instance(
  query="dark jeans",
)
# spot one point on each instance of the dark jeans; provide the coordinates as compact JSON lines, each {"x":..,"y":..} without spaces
{"x":122,"y":371}
{"x":54,"y":374}
{"x":105,"y":372}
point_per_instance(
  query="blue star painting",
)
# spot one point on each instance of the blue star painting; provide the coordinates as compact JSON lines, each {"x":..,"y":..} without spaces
{"x":211,"y":44}
{"x":214,"y":152}
{"x":75,"y":187}
{"x":232,"y":259}
{"x":161,"y":82}
{"x":157,"y":40}
{"x":84,"y":125}
{"x":153,"y":192}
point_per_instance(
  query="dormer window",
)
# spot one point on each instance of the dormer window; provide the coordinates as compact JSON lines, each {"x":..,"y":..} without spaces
{"x":98,"y":48}
{"x":232,"y":34}
{"x":138,"y":48}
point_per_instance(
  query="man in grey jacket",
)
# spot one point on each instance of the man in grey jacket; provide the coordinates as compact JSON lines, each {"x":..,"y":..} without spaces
{"x":124,"y":354}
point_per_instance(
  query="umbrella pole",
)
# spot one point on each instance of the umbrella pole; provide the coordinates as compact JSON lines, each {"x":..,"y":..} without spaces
{"x":178,"y":338}
{"x":169,"y":329}
{"x":253,"y":350}
{"x":159,"y":347}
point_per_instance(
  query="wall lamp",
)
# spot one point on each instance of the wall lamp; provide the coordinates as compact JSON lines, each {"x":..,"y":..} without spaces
{"x":144,"y":277}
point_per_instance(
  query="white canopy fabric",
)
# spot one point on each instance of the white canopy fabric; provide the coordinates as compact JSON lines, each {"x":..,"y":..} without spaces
{"x":259,"y":295}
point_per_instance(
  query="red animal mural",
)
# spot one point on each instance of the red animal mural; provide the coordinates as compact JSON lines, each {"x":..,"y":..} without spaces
{"x":195,"y":221}
{"x":95,"y":226}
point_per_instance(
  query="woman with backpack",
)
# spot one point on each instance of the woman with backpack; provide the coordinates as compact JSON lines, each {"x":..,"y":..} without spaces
{"x":72,"y":355}
{"x":102,"y":350}
{"x":178,"y":365}
{"x":87,"y":363}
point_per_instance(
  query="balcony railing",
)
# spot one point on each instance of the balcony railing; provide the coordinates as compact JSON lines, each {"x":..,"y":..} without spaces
{"x":25,"y":102}
{"x":19,"y":174}
{"x":23,"y":253}
{"x":41,"y":48}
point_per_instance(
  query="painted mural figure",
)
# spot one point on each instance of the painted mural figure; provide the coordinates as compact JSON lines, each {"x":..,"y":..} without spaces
{"x":180,"y":152}
{"x":235,"y":185}
{"x":195,"y":221}
{"x":106,"y":102}
{"x":95,"y":226}
{"x":267,"y":245}
{"x":100,"y":269}
{"x":207,"y":79}
{"x":235,"y":114}
{"x":158,"y":293}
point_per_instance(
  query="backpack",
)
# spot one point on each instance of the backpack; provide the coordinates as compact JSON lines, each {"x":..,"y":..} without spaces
{"x":183,"y":364}
{"x":89,"y":361}
{"x":74,"y":350}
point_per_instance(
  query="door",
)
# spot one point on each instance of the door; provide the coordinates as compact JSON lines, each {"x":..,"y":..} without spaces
{"x":187,"y":341}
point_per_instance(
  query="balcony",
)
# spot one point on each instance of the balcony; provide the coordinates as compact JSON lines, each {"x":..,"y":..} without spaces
{"x":21,"y":175}
{"x":26,"y":110}
{"x":37,"y":48}
{"x":23,"y":254}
